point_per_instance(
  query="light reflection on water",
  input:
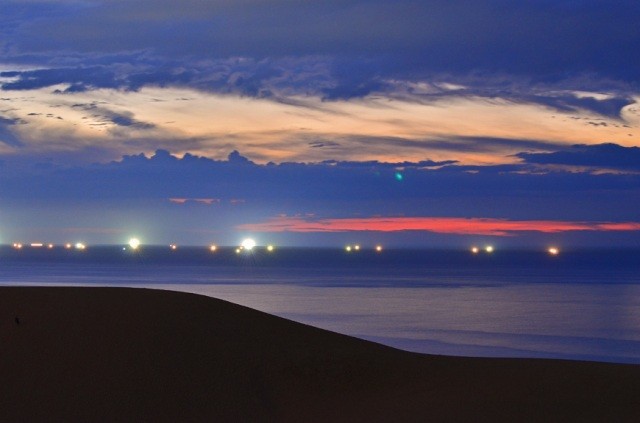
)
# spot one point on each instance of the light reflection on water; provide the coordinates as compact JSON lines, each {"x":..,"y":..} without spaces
{"x":581,"y":322}
{"x":520,"y":307}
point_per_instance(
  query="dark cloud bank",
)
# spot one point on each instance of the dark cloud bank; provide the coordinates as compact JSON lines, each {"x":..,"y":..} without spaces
{"x":530,"y":189}
{"x":525,"y":51}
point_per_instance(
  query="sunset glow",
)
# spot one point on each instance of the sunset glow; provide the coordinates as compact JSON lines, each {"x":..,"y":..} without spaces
{"x":471,"y":226}
{"x":431,"y":117}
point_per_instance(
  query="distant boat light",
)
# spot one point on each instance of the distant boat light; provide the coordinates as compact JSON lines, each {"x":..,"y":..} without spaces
{"x":378,"y":248}
{"x":134,"y":243}
{"x":80,"y":246}
{"x":248,"y":244}
{"x":553,"y":251}
{"x":269,"y":247}
{"x":213,"y":248}
{"x":489,"y":249}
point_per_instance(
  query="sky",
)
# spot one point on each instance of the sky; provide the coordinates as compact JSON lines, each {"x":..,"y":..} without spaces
{"x":406,"y":123}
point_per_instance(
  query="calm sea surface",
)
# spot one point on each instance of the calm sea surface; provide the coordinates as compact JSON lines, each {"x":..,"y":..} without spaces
{"x":582,"y":304}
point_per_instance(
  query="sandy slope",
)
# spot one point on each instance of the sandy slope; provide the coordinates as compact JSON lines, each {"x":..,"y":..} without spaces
{"x":119,"y":354}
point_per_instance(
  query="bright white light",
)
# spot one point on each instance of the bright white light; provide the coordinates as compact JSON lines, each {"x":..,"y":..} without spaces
{"x":269,"y":247}
{"x":489,"y":249}
{"x":248,"y":244}
{"x":348,"y":248}
{"x":173,"y":246}
{"x":553,"y":251}
{"x":356,"y":247}
{"x":80,"y":246}
{"x":134,"y":243}
{"x":213,"y":248}
{"x":475,"y":250}
{"x":378,"y":248}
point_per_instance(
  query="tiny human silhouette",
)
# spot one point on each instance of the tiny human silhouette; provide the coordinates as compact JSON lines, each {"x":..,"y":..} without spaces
{"x":17,"y":320}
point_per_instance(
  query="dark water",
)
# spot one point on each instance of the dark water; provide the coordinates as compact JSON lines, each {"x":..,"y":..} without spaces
{"x":581,"y":304}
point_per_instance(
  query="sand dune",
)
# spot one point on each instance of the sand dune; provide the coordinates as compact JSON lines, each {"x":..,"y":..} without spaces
{"x":120,"y":354}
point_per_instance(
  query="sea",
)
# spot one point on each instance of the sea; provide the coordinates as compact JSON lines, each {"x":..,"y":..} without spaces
{"x":581,"y":304}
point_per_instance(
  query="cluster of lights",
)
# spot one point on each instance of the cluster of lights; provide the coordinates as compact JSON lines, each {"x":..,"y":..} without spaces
{"x":247,"y":245}
{"x":554,"y":251}
{"x":356,"y":247}
{"x":488,"y":249}
{"x":19,"y":245}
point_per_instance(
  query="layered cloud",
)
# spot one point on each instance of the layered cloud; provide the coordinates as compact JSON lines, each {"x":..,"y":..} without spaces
{"x":312,"y":81}
{"x":198,"y":196}
{"x":442,"y":225}
{"x":472,"y":130}
{"x":351,"y":111}
{"x":598,"y":157}
{"x":534,"y":38}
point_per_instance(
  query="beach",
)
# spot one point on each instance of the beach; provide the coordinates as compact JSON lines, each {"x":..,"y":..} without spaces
{"x":123,"y":354}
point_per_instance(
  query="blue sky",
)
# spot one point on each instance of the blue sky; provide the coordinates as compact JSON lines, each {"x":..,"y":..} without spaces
{"x":308,"y":123}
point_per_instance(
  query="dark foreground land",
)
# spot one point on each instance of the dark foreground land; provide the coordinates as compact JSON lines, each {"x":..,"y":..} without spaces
{"x":118,"y":354}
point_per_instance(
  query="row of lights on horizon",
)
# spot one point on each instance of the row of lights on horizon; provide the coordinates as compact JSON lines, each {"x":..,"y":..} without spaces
{"x":77,"y":246}
{"x":356,"y":247}
{"x":554,"y":251}
{"x":248,"y":245}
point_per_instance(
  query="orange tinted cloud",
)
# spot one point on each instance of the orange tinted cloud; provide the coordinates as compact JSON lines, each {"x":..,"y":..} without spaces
{"x":445,"y":225}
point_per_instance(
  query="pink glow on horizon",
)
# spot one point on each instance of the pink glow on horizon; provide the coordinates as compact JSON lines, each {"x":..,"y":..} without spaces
{"x":445,"y":225}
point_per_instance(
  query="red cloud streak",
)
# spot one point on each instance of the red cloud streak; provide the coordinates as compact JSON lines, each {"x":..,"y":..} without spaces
{"x":445,"y":225}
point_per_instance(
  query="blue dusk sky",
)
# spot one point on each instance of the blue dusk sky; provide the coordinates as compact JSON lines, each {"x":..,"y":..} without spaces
{"x":406,"y":123}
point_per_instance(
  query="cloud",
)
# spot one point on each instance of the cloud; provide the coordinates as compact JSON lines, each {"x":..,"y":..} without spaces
{"x":7,"y":136}
{"x":337,"y":189}
{"x":443,"y":225}
{"x":535,"y":38}
{"x":528,"y":52}
{"x":282,"y":79}
{"x":170,"y":194}
{"x":602,"y":156}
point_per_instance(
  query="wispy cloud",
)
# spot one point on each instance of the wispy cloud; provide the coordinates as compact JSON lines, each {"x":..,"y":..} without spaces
{"x":442,"y":225}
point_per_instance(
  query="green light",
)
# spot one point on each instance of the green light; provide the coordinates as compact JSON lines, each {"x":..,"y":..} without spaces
{"x":399,"y":176}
